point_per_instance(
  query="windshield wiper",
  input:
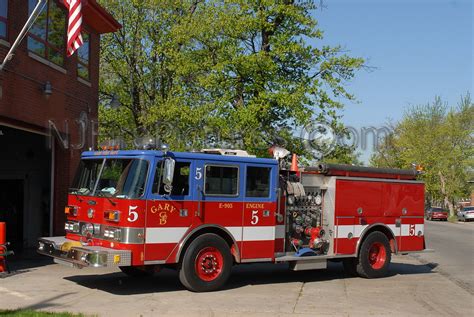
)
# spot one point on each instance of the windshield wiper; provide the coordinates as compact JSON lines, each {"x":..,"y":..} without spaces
{"x":74,"y":192}
{"x":103,"y":194}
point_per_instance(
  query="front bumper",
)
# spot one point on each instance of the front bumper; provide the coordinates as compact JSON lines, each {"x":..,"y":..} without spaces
{"x":82,"y":256}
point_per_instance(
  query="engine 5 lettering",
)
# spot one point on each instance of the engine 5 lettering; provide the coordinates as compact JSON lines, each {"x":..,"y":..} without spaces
{"x":254,"y":206}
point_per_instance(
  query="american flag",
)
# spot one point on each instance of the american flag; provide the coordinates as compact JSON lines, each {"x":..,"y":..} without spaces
{"x":74,"y":37}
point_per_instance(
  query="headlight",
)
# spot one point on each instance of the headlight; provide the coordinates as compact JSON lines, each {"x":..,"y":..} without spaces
{"x":72,"y":226}
{"x":113,"y":233}
{"x":87,"y":229}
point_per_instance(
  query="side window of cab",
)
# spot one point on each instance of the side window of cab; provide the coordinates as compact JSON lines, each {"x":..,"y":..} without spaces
{"x":181,"y":179}
{"x":221,"y":180}
{"x":257,"y":183}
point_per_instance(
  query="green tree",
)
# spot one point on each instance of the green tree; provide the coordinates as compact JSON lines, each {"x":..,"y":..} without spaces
{"x":439,"y":138}
{"x":226,"y":73}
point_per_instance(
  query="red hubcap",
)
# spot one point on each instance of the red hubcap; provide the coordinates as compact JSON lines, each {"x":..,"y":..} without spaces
{"x":208,"y":264}
{"x":377,"y":255}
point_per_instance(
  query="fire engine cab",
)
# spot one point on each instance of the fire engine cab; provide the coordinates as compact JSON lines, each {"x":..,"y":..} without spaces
{"x":203,"y":212}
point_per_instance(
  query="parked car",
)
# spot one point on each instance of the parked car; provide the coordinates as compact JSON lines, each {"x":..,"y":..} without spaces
{"x":466,"y":214}
{"x":436,"y":213}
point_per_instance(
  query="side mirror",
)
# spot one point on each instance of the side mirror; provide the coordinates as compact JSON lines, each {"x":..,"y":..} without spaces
{"x":168,"y":173}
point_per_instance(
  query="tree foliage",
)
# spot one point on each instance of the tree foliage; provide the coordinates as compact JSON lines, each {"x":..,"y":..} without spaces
{"x":224,"y":73}
{"x":439,"y":138}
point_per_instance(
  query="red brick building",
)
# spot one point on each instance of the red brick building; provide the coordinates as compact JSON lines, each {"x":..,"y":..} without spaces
{"x":48,"y":114}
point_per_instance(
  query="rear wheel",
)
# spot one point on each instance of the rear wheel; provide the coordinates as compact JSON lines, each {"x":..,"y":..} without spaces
{"x":206,"y":264}
{"x":138,"y":271}
{"x":374,"y":256}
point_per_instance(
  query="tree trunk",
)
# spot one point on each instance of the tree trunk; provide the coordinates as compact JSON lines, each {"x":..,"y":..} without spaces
{"x":447,"y":201}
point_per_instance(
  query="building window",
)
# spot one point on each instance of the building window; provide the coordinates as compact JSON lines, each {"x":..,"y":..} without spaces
{"x":47,"y":37}
{"x":3,"y":19}
{"x":258,"y":182}
{"x":221,"y":181}
{"x":83,"y":57}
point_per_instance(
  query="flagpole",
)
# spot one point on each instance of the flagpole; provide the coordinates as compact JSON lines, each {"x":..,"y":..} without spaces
{"x":34,"y":15}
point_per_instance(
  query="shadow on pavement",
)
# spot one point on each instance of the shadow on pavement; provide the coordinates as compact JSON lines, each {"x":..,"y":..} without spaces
{"x":407,"y":269}
{"x":23,"y":262}
{"x":47,"y":303}
{"x":27,"y":259}
{"x":242,"y":275}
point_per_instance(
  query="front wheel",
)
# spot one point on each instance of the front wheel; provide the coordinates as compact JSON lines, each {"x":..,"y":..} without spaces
{"x":374,"y":256}
{"x":206,"y":264}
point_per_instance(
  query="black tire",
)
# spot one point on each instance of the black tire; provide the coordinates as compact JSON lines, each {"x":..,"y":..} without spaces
{"x":350,"y":266}
{"x":138,"y":271}
{"x":374,"y":256}
{"x":216,"y":264}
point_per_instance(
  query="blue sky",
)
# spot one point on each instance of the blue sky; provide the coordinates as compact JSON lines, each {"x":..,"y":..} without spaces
{"x":420,"y":49}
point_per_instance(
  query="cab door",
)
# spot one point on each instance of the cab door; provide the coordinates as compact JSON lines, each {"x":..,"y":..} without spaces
{"x":219,"y":196}
{"x":259,"y":220}
{"x":168,"y":214}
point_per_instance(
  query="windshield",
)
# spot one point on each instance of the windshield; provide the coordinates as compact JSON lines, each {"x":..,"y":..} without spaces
{"x":437,"y":209}
{"x":120,"y":178}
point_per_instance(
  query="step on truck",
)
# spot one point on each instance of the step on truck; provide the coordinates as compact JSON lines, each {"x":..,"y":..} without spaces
{"x":203,"y":212}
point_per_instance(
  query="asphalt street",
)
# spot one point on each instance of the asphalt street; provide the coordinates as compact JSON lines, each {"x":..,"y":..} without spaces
{"x":453,"y":244}
{"x":434,"y":284}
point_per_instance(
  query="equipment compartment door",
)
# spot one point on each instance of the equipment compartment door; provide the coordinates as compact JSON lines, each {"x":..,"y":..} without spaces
{"x":404,"y":210}
{"x":412,"y":234}
{"x":346,"y":237}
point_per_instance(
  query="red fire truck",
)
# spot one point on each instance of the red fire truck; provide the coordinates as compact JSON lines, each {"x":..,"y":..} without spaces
{"x":201,"y":213}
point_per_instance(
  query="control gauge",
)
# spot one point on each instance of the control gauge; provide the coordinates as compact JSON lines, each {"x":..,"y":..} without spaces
{"x":291,"y":199}
{"x":318,"y":200}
